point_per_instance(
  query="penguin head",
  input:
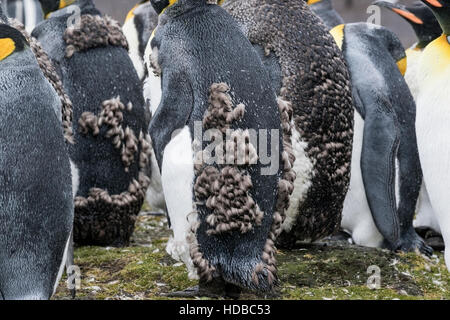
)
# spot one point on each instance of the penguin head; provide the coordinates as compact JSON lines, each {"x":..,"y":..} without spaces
{"x":49,"y":6}
{"x":420,"y":17}
{"x":441,"y":9}
{"x":11,"y":41}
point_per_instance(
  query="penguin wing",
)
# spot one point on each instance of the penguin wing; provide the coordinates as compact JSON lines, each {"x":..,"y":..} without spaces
{"x":173,"y":112}
{"x":380,"y":144}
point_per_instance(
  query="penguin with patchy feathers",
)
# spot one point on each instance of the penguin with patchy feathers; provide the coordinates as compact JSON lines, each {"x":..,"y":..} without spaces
{"x":112,"y":147}
{"x":225,"y":201}
{"x":310,"y":77}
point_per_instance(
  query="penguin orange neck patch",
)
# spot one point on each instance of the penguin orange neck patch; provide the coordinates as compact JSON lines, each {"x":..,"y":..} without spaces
{"x":402,"y":65}
{"x":435,"y":58}
{"x":7,"y":47}
{"x":65,"y":3}
{"x":310,"y":2}
{"x":338,"y":35}
{"x":171,"y":3}
{"x":130,"y":14}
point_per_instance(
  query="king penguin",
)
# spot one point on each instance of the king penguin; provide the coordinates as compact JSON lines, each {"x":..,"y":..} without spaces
{"x":311,"y":79}
{"x":427,"y":29}
{"x":384,"y":134}
{"x":433,"y":116}
{"x":225,"y":199}
{"x":112,"y":147}
{"x":138,"y":27}
{"x":36,"y":201}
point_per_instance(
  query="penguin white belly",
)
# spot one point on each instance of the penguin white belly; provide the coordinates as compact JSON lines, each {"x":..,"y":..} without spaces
{"x":177,"y":177}
{"x":303,"y":167}
{"x":152,"y":84}
{"x":155,"y":194}
{"x":152,"y":93}
{"x":357,"y":217}
{"x":75,"y":178}
{"x":131,"y":34}
{"x":433,"y":138}
{"x":425,"y":214}
{"x":30,"y":14}
{"x":412,"y":72}
{"x":63,"y":264}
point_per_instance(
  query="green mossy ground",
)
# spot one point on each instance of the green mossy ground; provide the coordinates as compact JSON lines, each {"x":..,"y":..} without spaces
{"x":314,"y":271}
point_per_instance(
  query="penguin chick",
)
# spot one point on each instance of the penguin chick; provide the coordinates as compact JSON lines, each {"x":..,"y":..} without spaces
{"x":138,"y":26}
{"x":433,"y":117}
{"x":36,"y":191}
{"x":308,"y":72}
{"x":427,"y":29}
{"x":225,"y":201}
{"x":324,"y":9}
{"x":112,"y":147}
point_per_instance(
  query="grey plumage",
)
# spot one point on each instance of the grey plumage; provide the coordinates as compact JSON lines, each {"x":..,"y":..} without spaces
{"x":36,"y":201}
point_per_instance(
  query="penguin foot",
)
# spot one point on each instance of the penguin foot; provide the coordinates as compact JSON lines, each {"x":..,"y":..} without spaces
{"x":411,"y":242}
{"x":215,"y":289}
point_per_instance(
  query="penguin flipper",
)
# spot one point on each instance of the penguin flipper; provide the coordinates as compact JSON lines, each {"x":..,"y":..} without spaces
{"x":173,"y":112}
{"x":380,"y":144}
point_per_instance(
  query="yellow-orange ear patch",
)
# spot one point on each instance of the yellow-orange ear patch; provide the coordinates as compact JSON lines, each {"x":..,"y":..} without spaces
{"x":130,"y":14}
{"x":338,"y":35}
{"x":402,"y":65}
{"x":7,"y":47}
{"x":408,"y":15}
{"x":65,"y":3}
{"x":310,"y":2}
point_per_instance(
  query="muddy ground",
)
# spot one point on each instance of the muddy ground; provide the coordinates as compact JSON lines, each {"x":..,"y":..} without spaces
{"x":331,"y":270}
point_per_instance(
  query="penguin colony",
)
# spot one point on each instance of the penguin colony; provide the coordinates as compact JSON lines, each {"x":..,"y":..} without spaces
{"x":251,"y":124}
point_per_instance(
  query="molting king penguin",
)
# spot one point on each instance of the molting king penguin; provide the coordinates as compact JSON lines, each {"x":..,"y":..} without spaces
{"x":427,"y":29}
{"x":433,"y":116}
{"x":36,"y":201}
{"x":310,"y":77}
{"x":138,"y":27}
{"x":384,"y":133}
{"x":112,"y":147}
{"x":325,"y":10}
{"x":225,"y":199}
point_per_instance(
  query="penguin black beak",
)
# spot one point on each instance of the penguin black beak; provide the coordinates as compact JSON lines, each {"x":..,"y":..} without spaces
{"x":400,"y":10}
